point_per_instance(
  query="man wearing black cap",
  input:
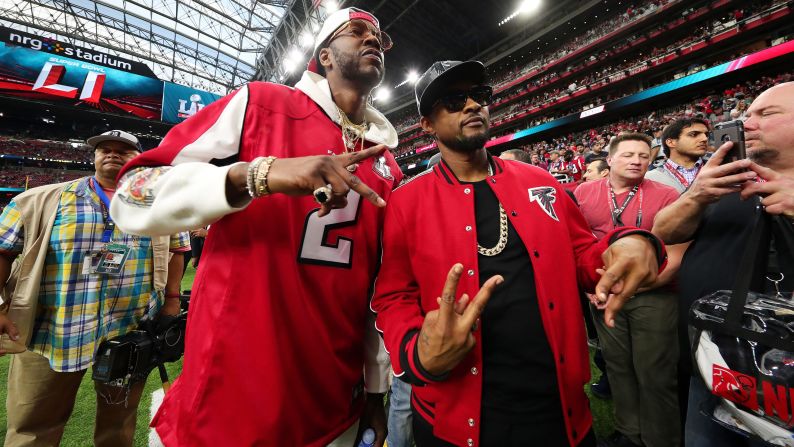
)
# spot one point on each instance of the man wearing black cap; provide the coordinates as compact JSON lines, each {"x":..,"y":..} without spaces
{"x":281,"y":348}
{"x":505,"y":362}
{"x":64,"y":297}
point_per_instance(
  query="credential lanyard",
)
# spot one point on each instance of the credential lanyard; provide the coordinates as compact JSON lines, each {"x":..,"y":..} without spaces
{"x":618,"y":211}
{"x":677,"y":175}
{"x":107,"y":234}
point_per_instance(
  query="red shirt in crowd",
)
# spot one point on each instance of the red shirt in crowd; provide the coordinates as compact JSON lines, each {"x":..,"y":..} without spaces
{"x":596,"y":204}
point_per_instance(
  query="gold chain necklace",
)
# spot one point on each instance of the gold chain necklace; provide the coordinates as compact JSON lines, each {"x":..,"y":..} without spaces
{"x":350,"y":134}
{"x":502,"y":242}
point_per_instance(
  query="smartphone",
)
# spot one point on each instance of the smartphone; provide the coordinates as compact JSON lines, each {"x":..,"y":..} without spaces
{"x":731,"y":131}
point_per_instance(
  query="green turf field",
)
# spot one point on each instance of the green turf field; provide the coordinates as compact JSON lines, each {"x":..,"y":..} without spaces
{"x":79,"y":431}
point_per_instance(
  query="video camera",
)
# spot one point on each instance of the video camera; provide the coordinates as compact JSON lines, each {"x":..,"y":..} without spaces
{"x":130,"y":358}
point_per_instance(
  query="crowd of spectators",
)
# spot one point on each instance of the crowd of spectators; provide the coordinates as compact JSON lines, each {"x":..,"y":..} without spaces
{"x":720,"y":106}
{"x":13,"y":177}
{"x":632,"y":13}
{"x":597,"y":78}
{"x":46,"y":149}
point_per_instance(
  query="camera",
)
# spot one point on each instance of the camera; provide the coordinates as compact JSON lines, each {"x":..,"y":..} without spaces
{"x":130,"y":358}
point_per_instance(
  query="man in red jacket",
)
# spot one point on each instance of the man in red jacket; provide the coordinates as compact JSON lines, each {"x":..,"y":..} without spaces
{"x":278,"y":334}
{"x":512,"y":371}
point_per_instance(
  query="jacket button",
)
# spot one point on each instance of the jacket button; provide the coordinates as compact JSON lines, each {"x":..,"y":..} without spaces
{"x":535,"y":252}
{"x":466,"y":191}
{"x":514,"y":213}
{"x":468,"y":227}
{"x":551,"y":306}
{"x":570,"y":412}
{"x":573,"y":432}
{"x":474,"y":370}
{"x":471,"y":272}
{"x":470,"y":442}
{"x":493,"y":180}
{"x":562,"y":359}
{"x":471,"y":422}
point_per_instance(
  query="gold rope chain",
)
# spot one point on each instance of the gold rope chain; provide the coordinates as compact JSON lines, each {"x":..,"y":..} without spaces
{"x":502,"y":243}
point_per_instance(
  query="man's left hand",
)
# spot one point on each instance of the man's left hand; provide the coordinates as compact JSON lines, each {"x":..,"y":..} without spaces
{"x":629,"y":263}
{"x":374,"y":417}
{"x":777,"y":192}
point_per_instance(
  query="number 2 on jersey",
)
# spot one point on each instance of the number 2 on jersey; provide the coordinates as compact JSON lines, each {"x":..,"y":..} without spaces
{"x":315,"y":250}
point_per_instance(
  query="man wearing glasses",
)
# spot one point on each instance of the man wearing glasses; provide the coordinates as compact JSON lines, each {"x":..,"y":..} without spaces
{"x":277,"y":336}
{"x":478,"y":297}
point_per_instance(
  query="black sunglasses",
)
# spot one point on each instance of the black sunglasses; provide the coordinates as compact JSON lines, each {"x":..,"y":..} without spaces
{"x":455,"y":102}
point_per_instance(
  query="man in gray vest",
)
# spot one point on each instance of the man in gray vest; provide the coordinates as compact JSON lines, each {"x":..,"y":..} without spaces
{"x":685,"y":141}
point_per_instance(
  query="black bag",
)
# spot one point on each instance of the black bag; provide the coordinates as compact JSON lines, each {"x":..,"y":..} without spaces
{"x":743,"y":347}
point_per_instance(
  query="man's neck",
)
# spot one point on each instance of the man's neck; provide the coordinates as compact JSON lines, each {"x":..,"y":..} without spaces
{"x":349,"y":98}
{"x":467,"y":166}
{"x":105,"y":182}
{"x":685,"y":161}
{"x":621,"y":185}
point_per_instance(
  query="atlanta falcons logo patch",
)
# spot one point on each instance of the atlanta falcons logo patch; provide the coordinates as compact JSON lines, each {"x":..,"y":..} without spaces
{"x":545,"y":196}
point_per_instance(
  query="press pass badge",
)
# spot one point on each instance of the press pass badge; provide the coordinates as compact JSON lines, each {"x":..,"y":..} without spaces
{"x":91,"y":262}
{"x":112,"y":260}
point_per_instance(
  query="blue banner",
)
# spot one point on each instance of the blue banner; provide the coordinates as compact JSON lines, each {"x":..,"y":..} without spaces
{"x":180,"y":102}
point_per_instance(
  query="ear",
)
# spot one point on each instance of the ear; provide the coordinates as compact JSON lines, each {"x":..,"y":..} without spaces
{"x":609,"y":161}
{"x":668,"y":141}
{"x":427,"y":125}
{"x":326,"y":58}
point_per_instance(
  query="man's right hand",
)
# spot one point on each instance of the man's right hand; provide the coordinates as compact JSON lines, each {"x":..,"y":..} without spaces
{"x":677,"y":223}
{"x":716,"y":179}
{"x":446,"y":335}
{"x":8,"y":327}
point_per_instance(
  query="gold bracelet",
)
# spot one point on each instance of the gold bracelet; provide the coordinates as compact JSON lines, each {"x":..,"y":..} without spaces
{"x":262,"y":170}
{"x":250,"y":177}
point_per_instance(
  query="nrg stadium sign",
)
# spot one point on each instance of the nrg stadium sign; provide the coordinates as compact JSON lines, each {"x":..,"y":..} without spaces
{"x":49,"y":45}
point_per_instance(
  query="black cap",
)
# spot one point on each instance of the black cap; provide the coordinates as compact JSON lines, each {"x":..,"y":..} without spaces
{"x":432,"y":83}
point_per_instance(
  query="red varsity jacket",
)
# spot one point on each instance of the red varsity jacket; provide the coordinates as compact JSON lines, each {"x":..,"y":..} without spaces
{"x":429,"y":226}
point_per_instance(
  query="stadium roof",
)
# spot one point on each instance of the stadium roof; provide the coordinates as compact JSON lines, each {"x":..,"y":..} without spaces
{"x":211,"y":45}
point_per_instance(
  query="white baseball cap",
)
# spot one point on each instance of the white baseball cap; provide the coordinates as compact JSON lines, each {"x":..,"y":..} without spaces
{"x":115,"y":135}
{"x":332,"y":24}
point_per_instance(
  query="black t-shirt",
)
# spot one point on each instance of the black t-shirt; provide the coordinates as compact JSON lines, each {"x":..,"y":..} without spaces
{"x":519,"y":373}
{"x":712,"y":261}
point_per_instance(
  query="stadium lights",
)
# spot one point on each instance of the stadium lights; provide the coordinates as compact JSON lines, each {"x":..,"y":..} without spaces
{"x":296,"y":55}
{"x":307,"y":39}
{"x":290,"y":65}
{"x":412,"y":77}
{"x":383,"y":94}
{"x":526,"y":6}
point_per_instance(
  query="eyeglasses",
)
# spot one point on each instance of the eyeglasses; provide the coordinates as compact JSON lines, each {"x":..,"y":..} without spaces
{"x":360,"y":30}
{"x":455,"y":102}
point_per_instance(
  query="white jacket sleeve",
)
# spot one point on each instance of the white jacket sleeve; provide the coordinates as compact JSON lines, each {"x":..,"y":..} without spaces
{"x":377,"y":366}
{"x":173,"y":187}
{"x":168,"y":199}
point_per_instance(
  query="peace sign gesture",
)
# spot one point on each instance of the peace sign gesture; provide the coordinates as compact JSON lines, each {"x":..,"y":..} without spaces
{"x":303,"y":175}
{"x":446,"y":336}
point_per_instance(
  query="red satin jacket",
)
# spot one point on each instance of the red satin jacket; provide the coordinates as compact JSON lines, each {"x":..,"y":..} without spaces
{"x":430,"y":226}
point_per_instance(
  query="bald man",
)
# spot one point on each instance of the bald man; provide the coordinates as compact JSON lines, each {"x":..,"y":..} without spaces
{"x":717,"y":213}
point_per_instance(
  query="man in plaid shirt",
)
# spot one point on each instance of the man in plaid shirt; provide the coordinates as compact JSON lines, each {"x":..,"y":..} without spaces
{"x":96,"y":284}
